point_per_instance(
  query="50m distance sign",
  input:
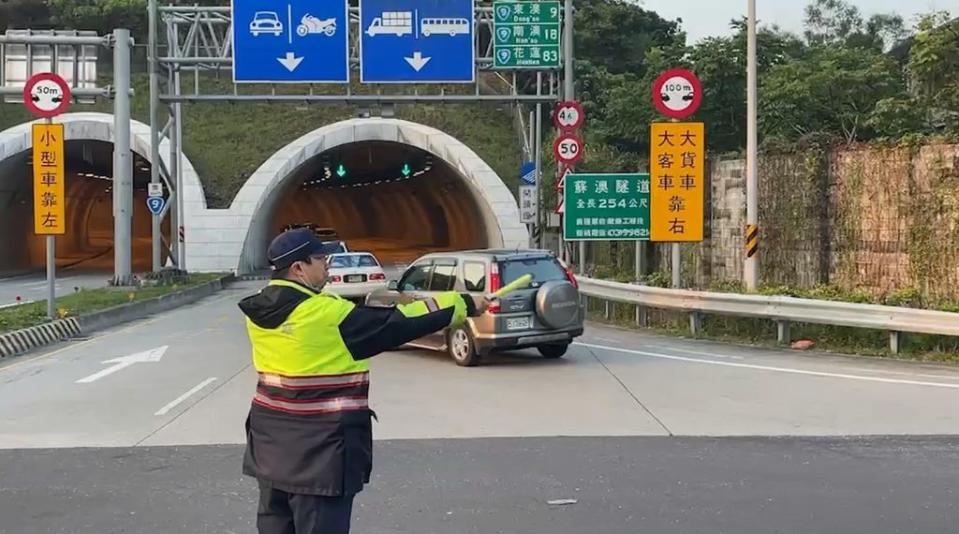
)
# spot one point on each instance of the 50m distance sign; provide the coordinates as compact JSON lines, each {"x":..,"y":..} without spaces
{"x":568,"y":149}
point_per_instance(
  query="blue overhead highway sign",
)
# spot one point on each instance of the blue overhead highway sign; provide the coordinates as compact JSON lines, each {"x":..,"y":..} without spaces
{"x":291,"y":41}
{"x":417,"y":41}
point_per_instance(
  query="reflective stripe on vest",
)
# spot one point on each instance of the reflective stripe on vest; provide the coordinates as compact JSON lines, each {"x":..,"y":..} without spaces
{"x":315,"y":381}
{"x":308,"y":407}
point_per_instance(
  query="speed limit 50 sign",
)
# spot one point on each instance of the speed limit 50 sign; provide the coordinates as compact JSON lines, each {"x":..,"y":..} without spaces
{"x":568,"y":148}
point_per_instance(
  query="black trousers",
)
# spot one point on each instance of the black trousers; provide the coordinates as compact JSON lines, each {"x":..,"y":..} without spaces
{"x":280,"y":512}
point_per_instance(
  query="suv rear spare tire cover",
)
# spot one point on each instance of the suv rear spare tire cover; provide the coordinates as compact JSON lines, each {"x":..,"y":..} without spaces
{"x":557,"y":304}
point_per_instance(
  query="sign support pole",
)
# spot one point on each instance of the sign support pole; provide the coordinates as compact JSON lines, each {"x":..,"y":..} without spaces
{"x":122,"y":162}
{"x":51,"y":269}
{"x":540,"y":228}
{"x":154,"y":128}
{"x":751,"y":261}
{"x":677,"y":268}
{"x":569,"y":93}
{"x":677,"y":258}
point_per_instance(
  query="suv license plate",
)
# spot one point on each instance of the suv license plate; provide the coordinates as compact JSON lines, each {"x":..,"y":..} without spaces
{"x":518,"y":323}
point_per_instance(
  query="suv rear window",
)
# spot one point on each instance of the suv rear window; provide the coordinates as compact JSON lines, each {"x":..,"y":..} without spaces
{"x":542,"y":269}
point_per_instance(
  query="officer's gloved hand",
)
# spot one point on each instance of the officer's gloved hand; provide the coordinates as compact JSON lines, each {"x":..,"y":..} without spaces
{"x":475,"y":306}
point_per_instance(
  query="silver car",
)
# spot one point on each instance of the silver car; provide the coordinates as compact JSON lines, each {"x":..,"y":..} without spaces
{"x":547,"y":315}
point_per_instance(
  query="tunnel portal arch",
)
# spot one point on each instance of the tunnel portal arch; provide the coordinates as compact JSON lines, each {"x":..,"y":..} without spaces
{"x":255,"y":203}
{"x":16,"y":143}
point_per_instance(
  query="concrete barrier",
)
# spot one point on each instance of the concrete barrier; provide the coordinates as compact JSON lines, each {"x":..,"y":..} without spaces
{"x":21,"y":341}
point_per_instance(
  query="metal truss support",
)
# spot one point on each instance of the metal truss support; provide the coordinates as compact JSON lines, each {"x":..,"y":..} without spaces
{"x":199,"y":39}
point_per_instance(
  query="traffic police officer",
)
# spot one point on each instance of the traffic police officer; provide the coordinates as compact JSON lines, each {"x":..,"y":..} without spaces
{"x":309,"y":431}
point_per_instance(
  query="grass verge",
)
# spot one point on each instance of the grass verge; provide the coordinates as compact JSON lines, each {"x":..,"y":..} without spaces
{"x":91,"y":300}
{"x":760,"y":332}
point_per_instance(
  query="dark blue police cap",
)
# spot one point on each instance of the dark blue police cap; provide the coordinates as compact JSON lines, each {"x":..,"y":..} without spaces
{"x":297,"y":245}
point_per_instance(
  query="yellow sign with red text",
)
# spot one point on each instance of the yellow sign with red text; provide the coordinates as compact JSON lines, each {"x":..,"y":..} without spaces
{"x":49,"y":198}
{"x":677,"y":181}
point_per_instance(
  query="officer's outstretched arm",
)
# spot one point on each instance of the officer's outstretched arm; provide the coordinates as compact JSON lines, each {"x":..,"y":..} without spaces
{"x":368,"y":331}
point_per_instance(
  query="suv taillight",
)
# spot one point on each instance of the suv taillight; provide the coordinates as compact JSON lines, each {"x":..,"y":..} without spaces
{"x":494,"y":284}
{"x":569,"y":273}
{"x":571,"y":277}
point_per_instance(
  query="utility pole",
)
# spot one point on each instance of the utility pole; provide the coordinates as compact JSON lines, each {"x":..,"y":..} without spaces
{"x":154,"y":127}
{"x":751,"y":260}
{"x":122,"y":160}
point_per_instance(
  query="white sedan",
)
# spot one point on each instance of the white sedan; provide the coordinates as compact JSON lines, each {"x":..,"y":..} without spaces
{"x":354,"y":275}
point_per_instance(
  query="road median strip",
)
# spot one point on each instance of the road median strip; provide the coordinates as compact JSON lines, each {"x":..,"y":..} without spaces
{"x":25,"y":327}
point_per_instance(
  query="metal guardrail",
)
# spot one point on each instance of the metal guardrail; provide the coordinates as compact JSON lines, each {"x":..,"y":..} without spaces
{"x":783,"y":310}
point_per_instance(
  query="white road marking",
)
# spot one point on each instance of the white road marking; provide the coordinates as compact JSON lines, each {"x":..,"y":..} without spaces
{"x":147,"y":356}
{"x":775,"y":369}
{"x":701,"y":353}
{"x":185,"y":396}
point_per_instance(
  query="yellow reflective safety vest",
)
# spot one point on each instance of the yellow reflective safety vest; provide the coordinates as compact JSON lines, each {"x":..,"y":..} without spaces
{"x":309,"y":428}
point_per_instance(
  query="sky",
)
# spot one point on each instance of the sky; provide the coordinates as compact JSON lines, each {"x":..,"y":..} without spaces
{"x":704,"y":18}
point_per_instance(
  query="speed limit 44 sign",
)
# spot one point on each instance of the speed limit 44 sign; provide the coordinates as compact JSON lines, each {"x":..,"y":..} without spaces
{"x":46,"y":95}
{"x":568,"y":148}
{"x":568,"y":116}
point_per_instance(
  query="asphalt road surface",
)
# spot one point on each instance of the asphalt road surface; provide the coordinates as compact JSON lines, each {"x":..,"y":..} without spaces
{"x":628,"y":433}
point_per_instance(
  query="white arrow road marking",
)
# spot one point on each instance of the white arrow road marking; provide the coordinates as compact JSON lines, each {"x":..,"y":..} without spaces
{"x":149,"y":356}
{"x":418,"y":61}
{"x":291,"y":62}
{"x":185,"y":396}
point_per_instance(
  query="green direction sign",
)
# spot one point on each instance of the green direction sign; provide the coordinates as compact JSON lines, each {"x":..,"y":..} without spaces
{"x":606,"y":207}
{"x":526,"y":34}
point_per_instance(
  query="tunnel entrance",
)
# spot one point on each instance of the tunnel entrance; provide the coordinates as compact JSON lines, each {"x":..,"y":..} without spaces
{"x":392,"y":199}
{"x":88,"y":243}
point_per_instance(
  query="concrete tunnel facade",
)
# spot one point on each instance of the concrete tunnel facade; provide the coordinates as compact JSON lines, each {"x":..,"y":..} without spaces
{"x":473,"y":202}
{"x":20,"y":249}
{"x":236,"y":238}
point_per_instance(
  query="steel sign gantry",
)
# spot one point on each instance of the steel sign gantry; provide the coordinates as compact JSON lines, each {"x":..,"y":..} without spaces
{"x":200,"y":39}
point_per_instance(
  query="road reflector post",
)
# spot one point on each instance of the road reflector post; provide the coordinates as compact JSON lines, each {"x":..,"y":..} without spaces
{"x":895,"y":341}
{"x":782,"y":332}
{"x":695,"y":323}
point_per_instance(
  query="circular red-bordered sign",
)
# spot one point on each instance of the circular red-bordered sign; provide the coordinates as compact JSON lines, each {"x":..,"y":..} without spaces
{"x":568,"y":116}
{"x":46,"y":95}
{"x":677,"y":93}
{"x":568,"y":148}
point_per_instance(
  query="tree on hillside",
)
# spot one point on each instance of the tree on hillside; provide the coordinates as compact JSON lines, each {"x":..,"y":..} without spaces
{"x":834,"y":90}
{"x":720,"y":62}
{"x":934,"y":69}
{"x":24,"y":14}
{"x":836,"y":22}
{"x":616,"y":34}
{"x":102,"y":16}
{"x":613,"y":38}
